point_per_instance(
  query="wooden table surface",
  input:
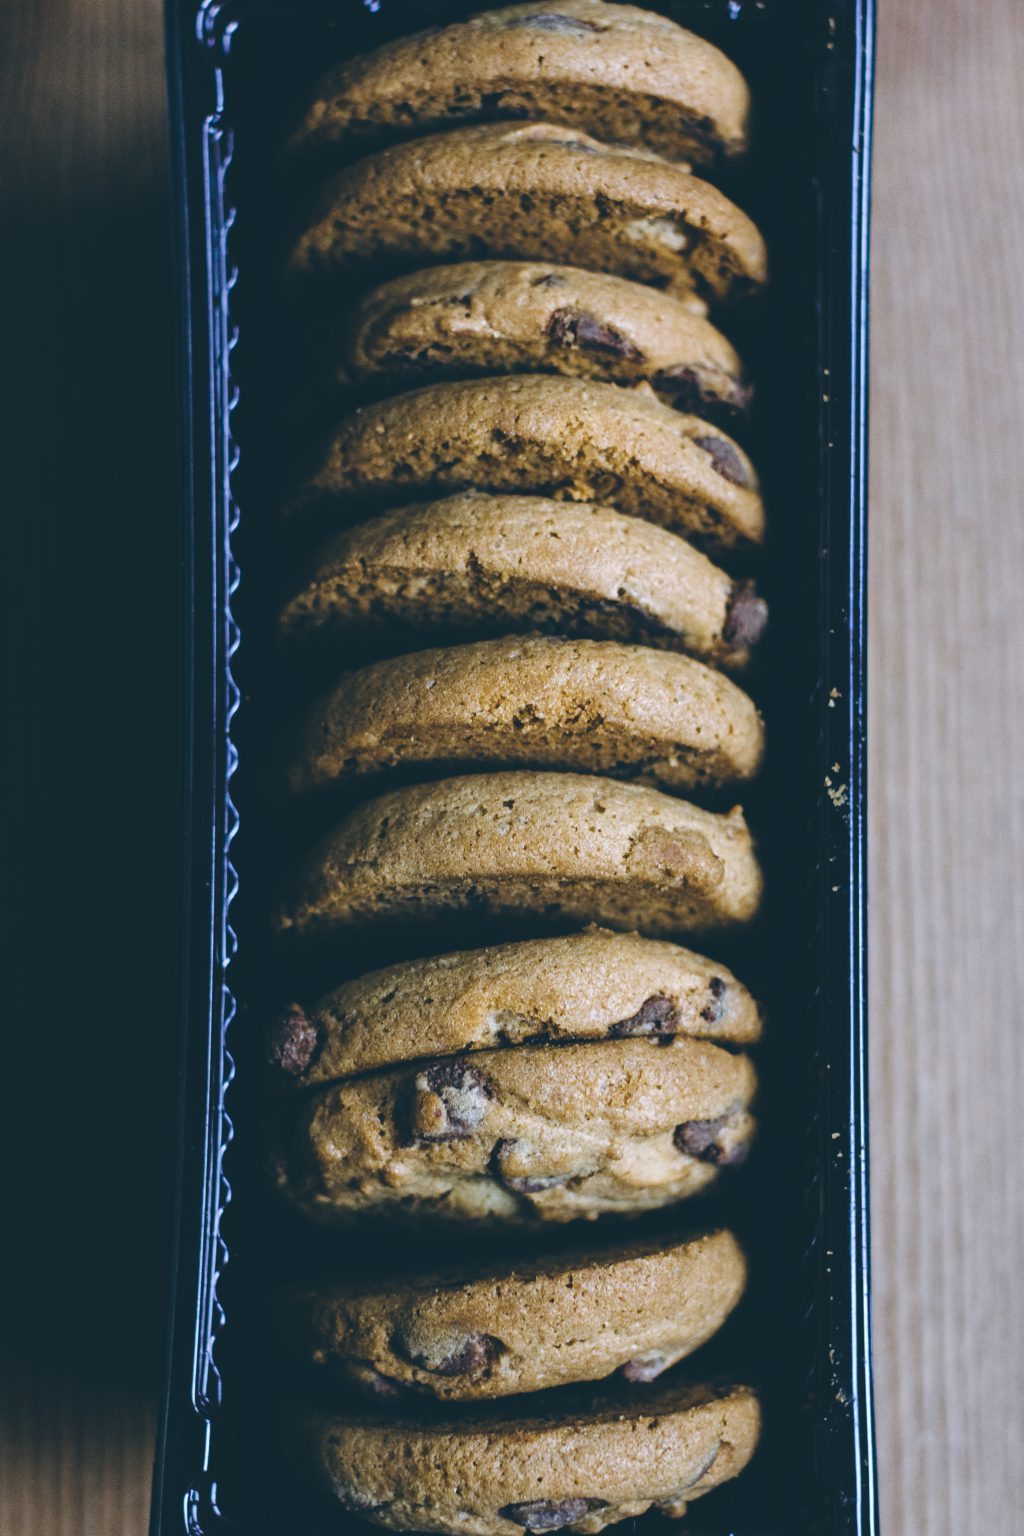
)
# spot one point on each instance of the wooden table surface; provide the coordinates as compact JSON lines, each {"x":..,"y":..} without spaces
{"x":89,"y":942}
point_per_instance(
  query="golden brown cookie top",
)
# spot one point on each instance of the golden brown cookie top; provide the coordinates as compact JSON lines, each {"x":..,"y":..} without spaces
{"x":536,"y":191}
{"x":593,"y":985}
{"x":559,"y":845}
{"x":533,"y":1134}
{"x":578,"y":1467}
{"x":488,"y":317}
{"x":575,"y":439}
{"x":578,"y":1316}
{"x":533,"y":701}
{"x":512,"y":563}
{"x":615,"y":70}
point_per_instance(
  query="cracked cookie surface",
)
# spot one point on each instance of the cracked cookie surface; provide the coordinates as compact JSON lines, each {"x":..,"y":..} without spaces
{"x":574,"y":439}
{"x":479,"y":563}
{"x":523,"y":1135}
{"x":537,"y":702}
{"x":579,"y":1467}
{"x":627,"y":74}
{"x":636,"y":1309}
{"x":557,"y":845}
{"x":489,"y":317}
{"x":535,"y":192}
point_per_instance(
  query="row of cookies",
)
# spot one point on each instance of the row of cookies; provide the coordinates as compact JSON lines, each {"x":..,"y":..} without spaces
{"x":540,"y":1082}
{"x":523,"y":489}
{"x":537,"y":1081}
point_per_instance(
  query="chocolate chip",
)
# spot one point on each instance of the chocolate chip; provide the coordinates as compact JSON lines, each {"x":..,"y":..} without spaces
{"x":550,"y":1514}
{"x":699,"y":1139}
{"x":712,"y":1011}
{"x":657,"y":1016}
{"x":645,"y":1368}
{"x":561,"y":327}
{"x":567,"y":327}
{"x":450,"y":1100}
{"x":551,"y":21}
{"x":746,"y":616}
{"x":684,"y":383}
{"x":689,"y":387}
{"x":475,"y":1353}
{"x":725,"y":459}
{"x":598,"y":337}
{"x":293,"y":1041}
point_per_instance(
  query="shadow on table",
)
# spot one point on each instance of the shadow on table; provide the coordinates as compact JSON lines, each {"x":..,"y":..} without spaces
{"x":91,"y":810}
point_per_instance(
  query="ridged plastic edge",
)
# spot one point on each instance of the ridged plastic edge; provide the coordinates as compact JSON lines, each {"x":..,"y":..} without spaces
{"x":209,"y":460}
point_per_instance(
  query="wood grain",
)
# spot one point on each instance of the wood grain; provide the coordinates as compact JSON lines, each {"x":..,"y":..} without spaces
{"x":947,"y":738}
{"x":91,"y":974}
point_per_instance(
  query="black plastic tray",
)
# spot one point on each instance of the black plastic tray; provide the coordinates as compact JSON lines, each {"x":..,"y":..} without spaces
{"x":803,"y":1332}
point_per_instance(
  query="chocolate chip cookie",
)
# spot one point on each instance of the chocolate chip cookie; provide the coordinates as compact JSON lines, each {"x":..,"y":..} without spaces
{"x":594,"y":985}
{"x":579,"y":1466}
{"x":492,"y":317}
{"x":536,"y":192}
{"x":573,"y":439}
{"x":626,"y":74}
{"x":537,"y":702}
{"x":474,"y":562}
{"x":558,"y":846}
{"x":529,"y":1134}
{"x":581,"y":1316}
